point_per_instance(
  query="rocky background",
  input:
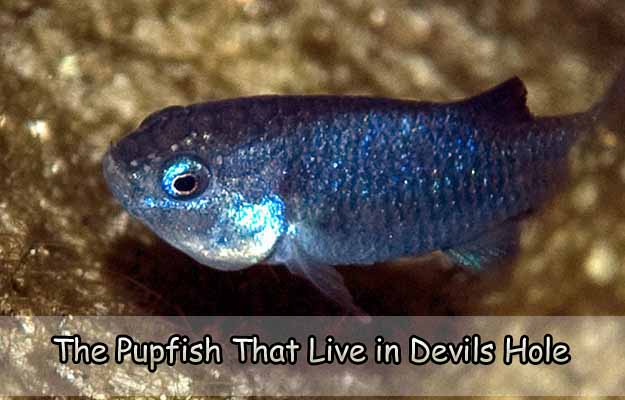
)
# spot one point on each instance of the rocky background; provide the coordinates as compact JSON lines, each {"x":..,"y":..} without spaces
{"x":75,"y":76}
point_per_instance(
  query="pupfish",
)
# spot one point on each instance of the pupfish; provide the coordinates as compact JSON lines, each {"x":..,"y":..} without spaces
{"x":312,"y":182}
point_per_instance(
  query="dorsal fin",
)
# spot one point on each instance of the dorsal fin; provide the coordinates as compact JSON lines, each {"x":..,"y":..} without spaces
{"x":505,"y":102}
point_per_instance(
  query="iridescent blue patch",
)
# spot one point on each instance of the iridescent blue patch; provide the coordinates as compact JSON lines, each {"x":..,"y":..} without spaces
{"x":253,"y":218}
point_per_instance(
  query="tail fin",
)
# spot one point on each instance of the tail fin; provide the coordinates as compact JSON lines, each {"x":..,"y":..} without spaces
{"x":610,"y":110}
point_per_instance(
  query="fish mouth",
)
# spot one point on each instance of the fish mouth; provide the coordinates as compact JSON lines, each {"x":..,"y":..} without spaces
{"x":115,"y":178}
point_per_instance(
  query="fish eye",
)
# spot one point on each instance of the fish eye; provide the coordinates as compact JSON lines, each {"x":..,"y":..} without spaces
{"x":184,"y":184}
{"x":184,"y":177}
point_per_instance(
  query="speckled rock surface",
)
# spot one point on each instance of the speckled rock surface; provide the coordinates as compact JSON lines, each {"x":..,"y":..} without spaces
{"x":75,"y":76}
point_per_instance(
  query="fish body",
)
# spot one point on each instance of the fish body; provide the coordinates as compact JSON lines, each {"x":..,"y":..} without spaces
{"x":316,"y":181}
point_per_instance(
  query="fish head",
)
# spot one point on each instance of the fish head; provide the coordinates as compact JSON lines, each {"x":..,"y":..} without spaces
{"x":220,"y":216}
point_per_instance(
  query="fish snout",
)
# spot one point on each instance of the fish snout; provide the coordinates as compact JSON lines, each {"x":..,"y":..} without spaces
{"x":116,"y":177}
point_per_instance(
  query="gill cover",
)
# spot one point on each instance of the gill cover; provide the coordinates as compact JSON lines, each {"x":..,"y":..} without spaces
{"x":250,"y":230}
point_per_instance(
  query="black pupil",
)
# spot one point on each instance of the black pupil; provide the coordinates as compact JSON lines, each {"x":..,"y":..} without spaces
{"x":185,"y":183}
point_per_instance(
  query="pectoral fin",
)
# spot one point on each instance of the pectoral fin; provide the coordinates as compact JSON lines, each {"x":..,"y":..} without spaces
{"x":489,"y":248}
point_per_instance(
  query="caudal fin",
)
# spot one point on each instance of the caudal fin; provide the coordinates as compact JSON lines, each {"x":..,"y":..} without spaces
{"x":610,"y":110}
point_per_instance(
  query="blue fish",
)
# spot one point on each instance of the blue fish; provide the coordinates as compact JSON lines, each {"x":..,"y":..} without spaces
{"x":311,"y":182}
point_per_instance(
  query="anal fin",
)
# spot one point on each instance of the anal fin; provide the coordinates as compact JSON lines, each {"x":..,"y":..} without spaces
{"x":489,"y":248}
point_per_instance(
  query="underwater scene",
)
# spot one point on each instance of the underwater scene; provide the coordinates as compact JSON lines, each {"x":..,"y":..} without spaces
{"x":265,"y":192}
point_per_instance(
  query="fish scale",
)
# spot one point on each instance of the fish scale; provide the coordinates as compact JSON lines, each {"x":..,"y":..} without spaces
{"x":316,"y":181}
